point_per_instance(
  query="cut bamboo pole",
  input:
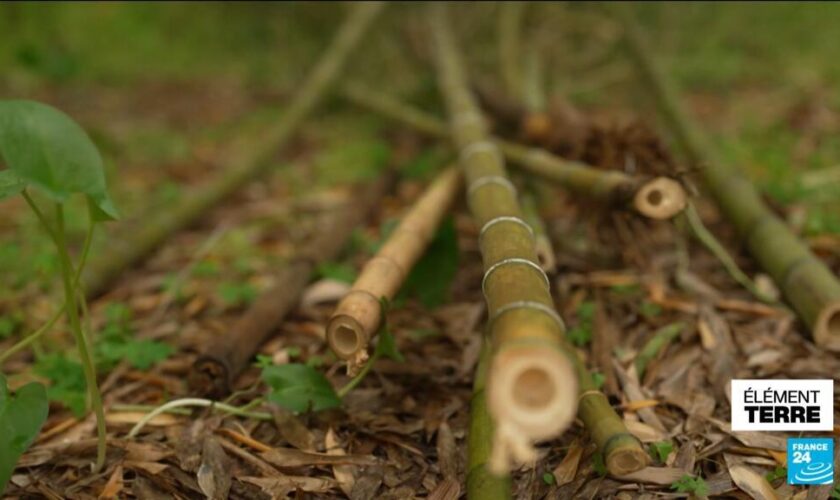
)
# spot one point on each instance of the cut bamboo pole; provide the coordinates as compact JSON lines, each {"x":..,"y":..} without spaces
{"x":358,"y":315}
{"x":217,"y":367}
{"x":534,"y":374}
{"x":481,"y":483}
{"x":138,"y":242}
{"x":657,"y":198}
{"x":531,"y":385}
{"x":808,"y":285}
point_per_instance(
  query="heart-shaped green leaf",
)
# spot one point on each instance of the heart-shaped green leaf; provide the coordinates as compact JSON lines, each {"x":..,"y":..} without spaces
{"x":47,"y":149}
{"x":21,"y":416}
{"x":299,"y":388}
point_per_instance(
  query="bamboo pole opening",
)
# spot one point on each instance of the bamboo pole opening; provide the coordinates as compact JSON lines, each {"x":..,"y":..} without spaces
{"x":530,"y":386}
{"x":827,"y":328}
{"x":660,"y":198}
{"x":345,"y":335}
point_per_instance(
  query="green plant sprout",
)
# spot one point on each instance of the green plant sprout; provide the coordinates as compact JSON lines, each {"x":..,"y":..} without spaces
{"x":45,"y":150}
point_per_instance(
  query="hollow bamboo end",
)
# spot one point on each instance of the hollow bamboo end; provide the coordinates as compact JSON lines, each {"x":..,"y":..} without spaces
{"x":346,"y":336}
{"x":626,"y":457}
{"x":533,"y":390}
{"x":827,"y":328}
{"x":660,"y":198}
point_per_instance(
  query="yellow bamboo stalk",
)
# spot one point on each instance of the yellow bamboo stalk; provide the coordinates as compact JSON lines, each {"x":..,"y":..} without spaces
{"x":531,"y":385}
{"x":658,"y":198}
{"x":358,"y":315}
{"x":808,"y":284}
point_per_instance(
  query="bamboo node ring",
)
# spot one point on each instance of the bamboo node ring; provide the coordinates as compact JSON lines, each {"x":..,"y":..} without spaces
{"x":590,"y":392}
{"x":491,"y":179}
{"x":510,"y":261}
{"x":481,"y":147}
{"x":527,"y":304}
{"x":505,"y":218}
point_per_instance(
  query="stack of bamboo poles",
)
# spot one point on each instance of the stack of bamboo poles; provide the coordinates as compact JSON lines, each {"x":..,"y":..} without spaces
{"x":809,"y":286}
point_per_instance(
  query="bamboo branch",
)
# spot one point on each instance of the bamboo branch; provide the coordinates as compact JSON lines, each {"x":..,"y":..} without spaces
{"x":657,"y":198}
{"x":808,"y":285}
{"x":138,"y":242}
{"x":357,"y":317}
{"x":481,"y":483}
{"x":219,"y":365}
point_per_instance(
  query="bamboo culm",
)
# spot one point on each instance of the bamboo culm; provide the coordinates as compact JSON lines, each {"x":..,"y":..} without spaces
{"x":807,"y":283}
{"x":159,"y":224}
{"x":357,"y":317}
{"x":531,"y":385}
{"x":531,"y":389}
{"x":657,"y":198}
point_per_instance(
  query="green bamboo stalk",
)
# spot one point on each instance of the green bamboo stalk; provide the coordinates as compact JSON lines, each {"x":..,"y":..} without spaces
{"x":133,"y":246}
{"x":808,"y":285}
{"x":481,"y":483}
{"x":535,"y":377}
{"x":657,"y":198}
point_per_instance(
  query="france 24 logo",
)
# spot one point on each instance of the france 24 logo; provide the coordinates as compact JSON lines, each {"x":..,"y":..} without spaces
{"x":810,"y":460}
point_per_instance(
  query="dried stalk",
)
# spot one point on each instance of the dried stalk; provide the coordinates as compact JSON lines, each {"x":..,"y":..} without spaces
{"x":808,"y":285}
{"x":481,"y":484}
{"x":359,"y":313}
{"x":136,"y":243}
{"x":657,"y":198}
{"x":216,"y":369}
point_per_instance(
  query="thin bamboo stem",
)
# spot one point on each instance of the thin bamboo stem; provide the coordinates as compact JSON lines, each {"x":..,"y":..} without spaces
{"x":482,"y":484}
{"x":135,"y":245}
{"x":808,"y":285}
{"x":657,"y":198}
{"x":358,"y":315}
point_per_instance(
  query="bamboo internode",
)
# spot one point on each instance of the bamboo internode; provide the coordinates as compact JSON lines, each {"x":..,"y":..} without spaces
{"x":531,"y":385}
{"x":808,"y":285}
{"x":657,"y":198}
{"x":132,"y":247}
{"x":359,"y":313}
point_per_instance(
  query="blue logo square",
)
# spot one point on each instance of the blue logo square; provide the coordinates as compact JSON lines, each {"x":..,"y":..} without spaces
{"x":810,"y":460}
